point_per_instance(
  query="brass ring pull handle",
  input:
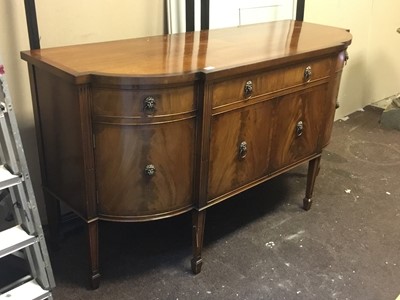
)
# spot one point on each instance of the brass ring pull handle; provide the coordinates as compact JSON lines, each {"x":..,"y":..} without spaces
{"x":150,"y":170}
{"x":398,"y":30}
{"x":299,"y":128}
{"x":248,"y":89}
{"x":307,"y":74}
{"x":242,"y":150}
{"x":149,"y":105}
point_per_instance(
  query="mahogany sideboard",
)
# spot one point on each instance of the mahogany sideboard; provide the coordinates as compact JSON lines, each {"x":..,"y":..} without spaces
{"x":149,"y":128}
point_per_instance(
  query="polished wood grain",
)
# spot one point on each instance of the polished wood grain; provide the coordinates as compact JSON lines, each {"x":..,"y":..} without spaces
{"x":332,"y":101}
{"x":270,"y":82}
{"x":305,"y":107}
{"x":93,"y":241}
{"x":178,"y":54}
{"x":122,"y":153}
{"x":61,"y":149}
{"x":130,"y":103}
{"x":198,"y":226}
{"x":228,"y":169}
{"x":149,"y":128}
{"x":313,"y":170}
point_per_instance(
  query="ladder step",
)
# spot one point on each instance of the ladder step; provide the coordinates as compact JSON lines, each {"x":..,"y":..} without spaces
{"x":14,"y":239}
{"x":7,"y":179}
{"x":30,"y":290}
{"x":14,"y":173}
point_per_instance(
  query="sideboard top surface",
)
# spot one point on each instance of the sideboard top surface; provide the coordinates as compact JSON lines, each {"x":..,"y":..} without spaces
{"x":205,"y":51}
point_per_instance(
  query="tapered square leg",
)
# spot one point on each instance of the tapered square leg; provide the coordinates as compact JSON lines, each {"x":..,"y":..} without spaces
{"x":313,"y":170}
{"x":93,"y":243}
{"x":198,"y":221}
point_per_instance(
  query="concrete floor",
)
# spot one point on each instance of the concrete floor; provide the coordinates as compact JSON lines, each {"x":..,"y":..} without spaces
{"x":261,"y":244}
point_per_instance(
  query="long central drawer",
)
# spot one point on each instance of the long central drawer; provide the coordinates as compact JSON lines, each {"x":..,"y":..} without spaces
{"x":255,"y":85}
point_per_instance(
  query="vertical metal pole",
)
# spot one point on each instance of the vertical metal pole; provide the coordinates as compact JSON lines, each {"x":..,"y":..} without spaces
{"x":166,"y":17}
{"x":205,"y":14}
{"x":300,"y":10}
{"x":189,"y":15}
{"x":31,"y":21}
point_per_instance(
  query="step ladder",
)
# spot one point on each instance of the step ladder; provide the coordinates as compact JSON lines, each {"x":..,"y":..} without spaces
{"x":26,"y":238}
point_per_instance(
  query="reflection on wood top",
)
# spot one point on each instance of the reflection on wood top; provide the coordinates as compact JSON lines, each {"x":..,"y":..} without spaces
{"x":193,"y":52}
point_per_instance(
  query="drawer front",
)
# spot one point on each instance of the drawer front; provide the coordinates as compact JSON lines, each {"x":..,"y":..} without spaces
{"x":143,"y":103}
{"x":144,"y":172}
{"x":299,"y":119}
{"x":251,"y":86}
{"x":239,"y":148}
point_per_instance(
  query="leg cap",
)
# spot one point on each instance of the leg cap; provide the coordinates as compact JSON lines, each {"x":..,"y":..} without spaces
{"x":95,"y":281}
{"x":307,"y":203}
{"x":196,"y":266}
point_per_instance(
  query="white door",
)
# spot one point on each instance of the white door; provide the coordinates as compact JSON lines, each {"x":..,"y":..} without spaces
{"x":229,"y":13}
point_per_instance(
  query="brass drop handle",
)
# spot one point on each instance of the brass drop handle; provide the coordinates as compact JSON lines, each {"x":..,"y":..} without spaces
{"x":150,"y":170}
{"x":398,"y":30}
{"x":242,"y":150}
{"x":299,"y":128}
{"x":307,"y":74}
{"x":346,"y":57}
{"x":248,"y":89}
{"x":149,"y":105}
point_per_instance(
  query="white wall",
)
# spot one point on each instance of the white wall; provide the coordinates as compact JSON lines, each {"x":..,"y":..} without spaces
{"x":383,"y":77}
{"x":63,"y":23}
{"x":373,"y":71}
{"x":76,"y":21}
{"x":231,"y":13}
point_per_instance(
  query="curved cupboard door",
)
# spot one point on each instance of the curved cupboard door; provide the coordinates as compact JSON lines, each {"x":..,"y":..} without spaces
{"x":144,"y":171}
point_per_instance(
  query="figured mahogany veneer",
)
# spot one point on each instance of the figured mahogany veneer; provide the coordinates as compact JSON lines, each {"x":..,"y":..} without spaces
{"x":148,"y":128}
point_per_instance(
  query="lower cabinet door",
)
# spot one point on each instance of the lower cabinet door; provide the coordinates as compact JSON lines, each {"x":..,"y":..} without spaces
{"x":299,"y":119}
{"x":239,"y":146}
{"x":144,"y":171}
